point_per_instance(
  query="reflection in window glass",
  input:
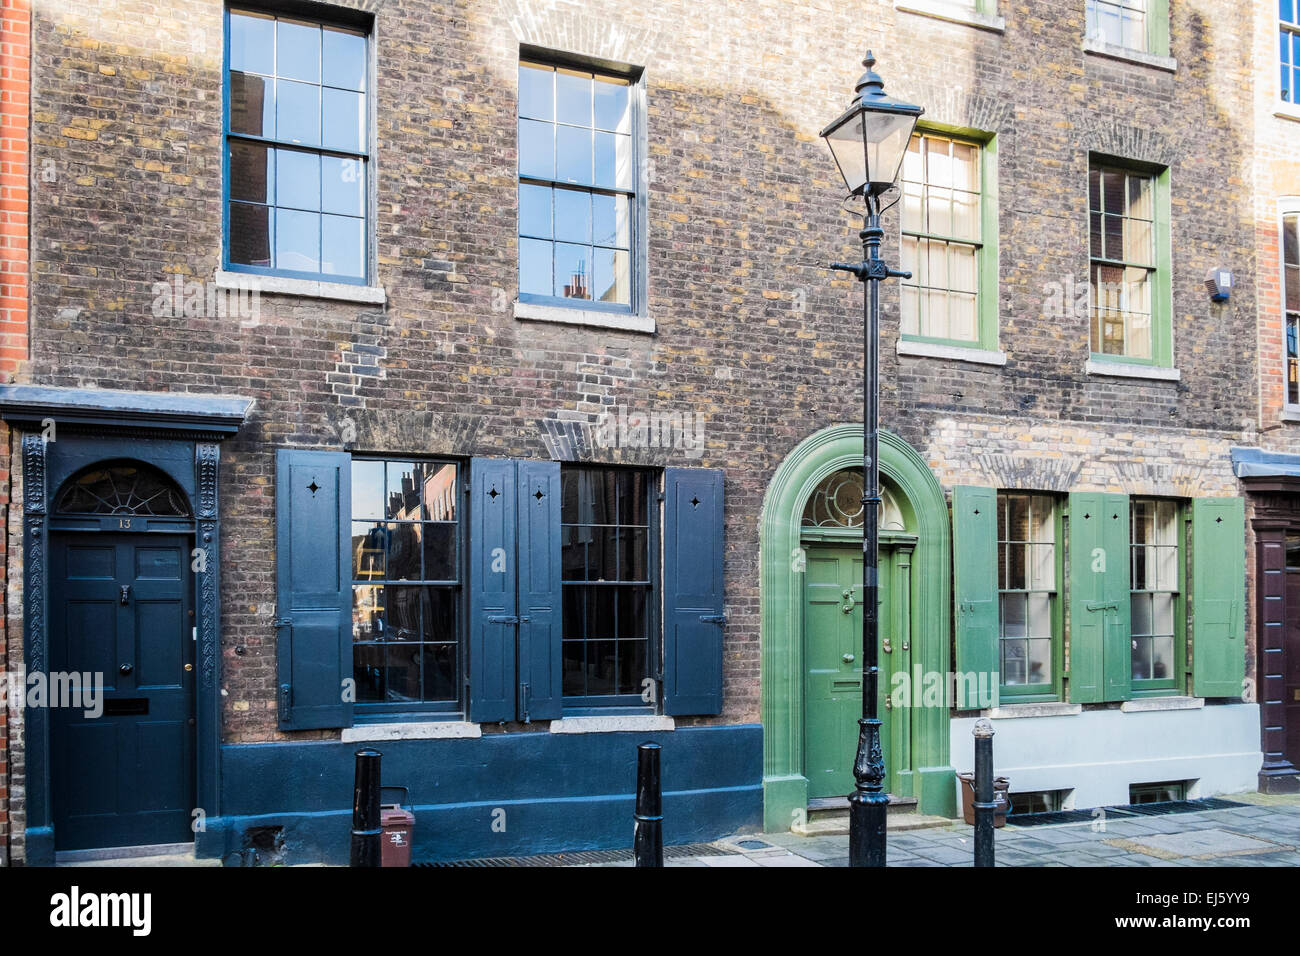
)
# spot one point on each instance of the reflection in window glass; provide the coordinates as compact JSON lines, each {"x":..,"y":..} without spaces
{"x":1118,"y":22}
{"x":1291,"y":303}
{"x":1289,"y":49}
{"x":405,"y":582}
{"x":297,"y":146}
{"x":1027,"y":589}
{"x":577,"y":183}
{"x":1122,"y":235}
{"x":941,"y":238}
{"x":608,"y":581}
{"x":1153,"y":574}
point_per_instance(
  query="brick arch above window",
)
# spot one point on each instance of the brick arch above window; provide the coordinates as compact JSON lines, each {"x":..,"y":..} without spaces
{"x":1131,"y":143}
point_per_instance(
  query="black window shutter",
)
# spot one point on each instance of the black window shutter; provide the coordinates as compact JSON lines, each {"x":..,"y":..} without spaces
{"x":693,"y":591}
{"x":540,"y":595}
{"x":313,"y":502}
{"x":492,"y":577}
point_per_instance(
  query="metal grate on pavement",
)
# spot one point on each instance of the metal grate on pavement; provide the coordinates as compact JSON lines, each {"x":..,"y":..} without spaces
{"x":1057,"y":817}
{"x":580,"y":857}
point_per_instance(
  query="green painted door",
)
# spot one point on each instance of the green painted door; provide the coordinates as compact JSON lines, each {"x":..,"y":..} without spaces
{"x":833,"y":665}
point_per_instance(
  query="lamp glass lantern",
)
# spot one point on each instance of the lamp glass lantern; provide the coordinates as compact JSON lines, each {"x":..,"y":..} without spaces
{"x":870,"y":139}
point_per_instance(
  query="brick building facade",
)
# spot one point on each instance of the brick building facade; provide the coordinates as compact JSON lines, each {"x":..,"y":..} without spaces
{"x":1268,"y":472}
{"x":733,"y":329}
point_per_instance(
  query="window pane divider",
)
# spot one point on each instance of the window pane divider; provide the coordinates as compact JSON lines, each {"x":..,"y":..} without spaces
{"x":298,"y":147}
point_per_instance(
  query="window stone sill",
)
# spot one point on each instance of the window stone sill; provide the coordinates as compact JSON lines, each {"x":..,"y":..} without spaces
{"x":944,"y":11}
{"x":413,"y":730}
{"x":621,"y":321}
{"x":1287,"y":111}
{"x":1142,"y":705}
{"x":954,"y":352}
{"x":1049,"y":709}
{"x":306,"y":288}
{"x":1124,"y":370}
{"x":1140,"y":57}
{"x":610,"y":725}
{"x":1290,"y":413}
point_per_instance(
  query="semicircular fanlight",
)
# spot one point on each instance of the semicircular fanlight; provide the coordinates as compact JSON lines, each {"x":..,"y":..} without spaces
{"x":837,"y":503}
{"x":122,"y":488}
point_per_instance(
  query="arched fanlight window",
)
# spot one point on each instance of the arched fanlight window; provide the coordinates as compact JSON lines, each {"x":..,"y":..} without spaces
{"x":837,"y":503}
{"x":122,"y":488}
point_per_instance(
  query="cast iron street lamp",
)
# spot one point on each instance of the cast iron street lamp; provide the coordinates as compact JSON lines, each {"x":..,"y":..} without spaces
{"x":868,"y":143}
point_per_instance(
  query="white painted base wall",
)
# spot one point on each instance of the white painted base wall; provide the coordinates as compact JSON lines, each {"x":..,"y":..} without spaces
{"x":1098,"y":753}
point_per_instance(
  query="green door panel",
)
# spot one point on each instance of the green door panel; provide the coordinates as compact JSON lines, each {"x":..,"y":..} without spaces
{"x":833,"y":666}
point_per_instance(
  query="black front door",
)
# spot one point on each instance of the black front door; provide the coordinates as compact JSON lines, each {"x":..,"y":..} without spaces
{"x":121,"y":615}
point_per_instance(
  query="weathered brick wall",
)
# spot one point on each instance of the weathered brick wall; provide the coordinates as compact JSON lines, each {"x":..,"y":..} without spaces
{"x":15,"y":108}
{"x":744,"y":211}
{"x":1276,"y":176}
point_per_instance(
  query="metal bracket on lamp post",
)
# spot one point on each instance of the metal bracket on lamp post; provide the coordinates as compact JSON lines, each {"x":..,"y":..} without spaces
{"x":870,"y":269}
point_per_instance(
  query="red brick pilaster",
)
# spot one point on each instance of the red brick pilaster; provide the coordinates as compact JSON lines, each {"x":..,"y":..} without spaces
{"x":15,"y":111}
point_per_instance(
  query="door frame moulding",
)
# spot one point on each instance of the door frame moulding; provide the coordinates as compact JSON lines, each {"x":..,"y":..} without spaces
{"x":63,"y":430}
{"x":785,"y":788}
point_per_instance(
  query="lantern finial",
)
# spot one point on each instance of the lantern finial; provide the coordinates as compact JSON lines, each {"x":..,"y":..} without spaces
{"x":870,"y":80}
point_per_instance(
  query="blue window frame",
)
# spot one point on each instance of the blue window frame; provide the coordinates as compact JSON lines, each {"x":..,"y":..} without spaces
{"x":1289,"y":49}
{"x":579,"y":166}
{"x":609,"y":558}
{"x":297,"y":148}
{"x":407,"y":572}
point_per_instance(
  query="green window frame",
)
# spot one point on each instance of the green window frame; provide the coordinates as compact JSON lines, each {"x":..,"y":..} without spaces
{"x":1030,"y":615}
{"x":954,"y":266}
{"x":1130,"y":263}
{"x":986,"y":7}
{"x":1141,"y":25}
{"x":1157,"y":595}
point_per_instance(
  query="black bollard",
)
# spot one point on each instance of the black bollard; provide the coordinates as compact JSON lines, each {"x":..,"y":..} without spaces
{"x":983,"y":803}
{"x":648,"y":842}
{"x":367,"y":844}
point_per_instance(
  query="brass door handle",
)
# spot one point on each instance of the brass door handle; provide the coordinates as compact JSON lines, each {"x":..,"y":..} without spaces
{"x":189,"y":667}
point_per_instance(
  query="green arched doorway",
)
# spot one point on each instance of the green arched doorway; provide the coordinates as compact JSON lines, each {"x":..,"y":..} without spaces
{"x":927,"y":775}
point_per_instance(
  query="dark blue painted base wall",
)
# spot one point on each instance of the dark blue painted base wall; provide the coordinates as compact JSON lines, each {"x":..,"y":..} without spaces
{"x":557,"y":791}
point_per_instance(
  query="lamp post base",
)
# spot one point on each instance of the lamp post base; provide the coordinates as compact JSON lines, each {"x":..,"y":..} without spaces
{"x":868,"y":804}
{"x":868,"y":818}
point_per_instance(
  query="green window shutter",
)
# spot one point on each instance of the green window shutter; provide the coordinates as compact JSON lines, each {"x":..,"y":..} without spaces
{"x":1100,"y":653}
{"x":1218,"y":596}
{"x":1158,"y":28}
{"x":313,"y":572}
{"x":975,"y":579}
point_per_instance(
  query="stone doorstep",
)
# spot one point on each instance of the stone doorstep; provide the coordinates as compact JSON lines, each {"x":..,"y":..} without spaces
{"x":837,"y":824}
